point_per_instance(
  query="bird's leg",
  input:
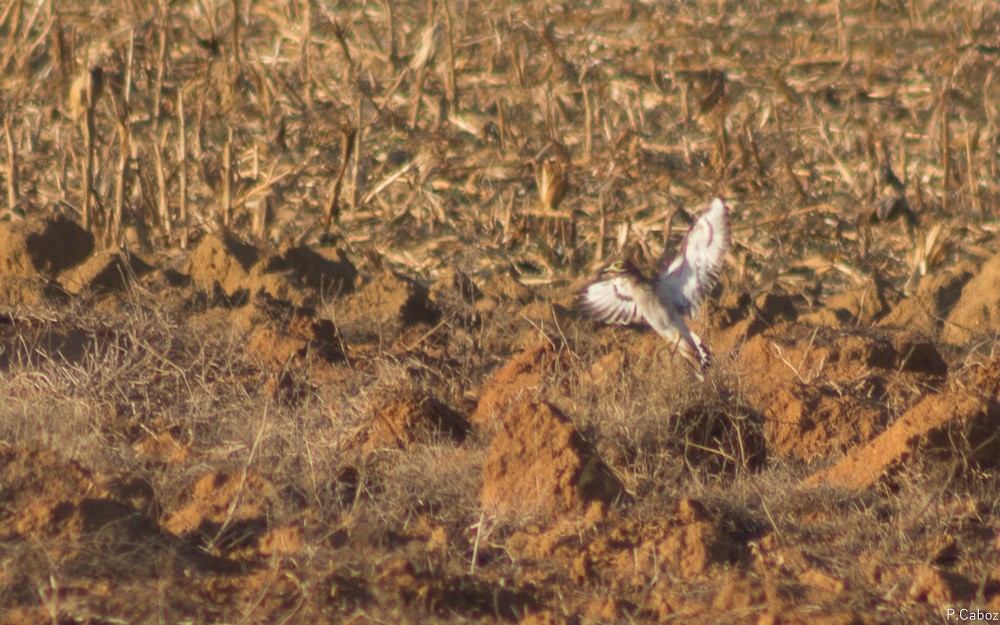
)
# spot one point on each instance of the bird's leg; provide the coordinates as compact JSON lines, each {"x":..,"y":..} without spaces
{"x":679,"y":345}
{"x":669,"y":347}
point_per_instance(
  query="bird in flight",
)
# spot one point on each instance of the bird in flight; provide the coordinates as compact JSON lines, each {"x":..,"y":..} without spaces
{"x":621,"y":294}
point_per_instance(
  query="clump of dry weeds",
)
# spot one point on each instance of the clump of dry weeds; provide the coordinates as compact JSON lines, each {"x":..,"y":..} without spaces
{"x":529,"y":142}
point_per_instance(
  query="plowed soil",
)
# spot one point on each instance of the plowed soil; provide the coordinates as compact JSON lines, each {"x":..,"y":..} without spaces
{"x":365,"y":395}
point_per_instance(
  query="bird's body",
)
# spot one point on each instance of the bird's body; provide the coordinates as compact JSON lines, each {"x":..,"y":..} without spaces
{"x":622,"y":295}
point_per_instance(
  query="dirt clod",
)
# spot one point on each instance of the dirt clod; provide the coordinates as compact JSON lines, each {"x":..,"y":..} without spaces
{"x":104,"y":272}
{"x":539,"y":464}
{"x":805,"y":420}
{"x":947,"y":424}
{"x":521,"y":377}
{"x":44,"y":246}
{"x":925,"y":311}
{"x":222,"y":262}
{"x":383,"y":307}
{"x":228,"y":511}
{"x":411,"y":417}
{"x":978,"y":308}
{"x":291,"y":331}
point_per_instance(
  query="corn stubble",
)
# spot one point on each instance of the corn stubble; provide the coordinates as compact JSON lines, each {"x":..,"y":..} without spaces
{"x":490,"y":147}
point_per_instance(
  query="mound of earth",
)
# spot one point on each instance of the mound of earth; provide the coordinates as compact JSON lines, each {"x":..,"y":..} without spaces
{"x":538,"y":464}
{"x":862,"y":305}
{"x":383,"y":307}
{"x":83,"y":520}
{"x":978,"y":308}
{"x":924,"y":312}
{"x":105,"y":271}
{"x":523,"y":376}
{"x":45,"y":495}
{"x":628,"y":555}
{"x":961,"y":421}
{"x":400,"y":420}
{"x":43,"y":246}
{"x":300,"y":276}
{"x":228,"y":512}
{"x":222,"y":262}
{"x":822,"y":390}
{"x":785,"y":578}
{"x":32,"y":252}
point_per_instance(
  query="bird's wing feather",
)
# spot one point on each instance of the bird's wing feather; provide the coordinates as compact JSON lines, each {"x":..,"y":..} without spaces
{"x":610,"y":301}
{"x":691,"y":275}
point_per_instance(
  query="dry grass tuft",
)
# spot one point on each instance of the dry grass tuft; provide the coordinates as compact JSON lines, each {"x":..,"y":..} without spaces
{"x":472,"y":161}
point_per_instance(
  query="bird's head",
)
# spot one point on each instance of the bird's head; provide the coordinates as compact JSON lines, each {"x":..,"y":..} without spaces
{"x":619,"y":267}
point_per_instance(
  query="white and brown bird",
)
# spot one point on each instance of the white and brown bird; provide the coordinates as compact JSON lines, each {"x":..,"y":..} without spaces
{"x":621,"y":294}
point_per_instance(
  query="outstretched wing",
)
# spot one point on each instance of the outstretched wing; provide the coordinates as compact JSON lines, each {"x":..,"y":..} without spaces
{"x":611,"y":300}
{"x":691,"y":275}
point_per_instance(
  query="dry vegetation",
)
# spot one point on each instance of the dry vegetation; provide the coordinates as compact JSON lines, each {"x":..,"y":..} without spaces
{"x":286,"y":323}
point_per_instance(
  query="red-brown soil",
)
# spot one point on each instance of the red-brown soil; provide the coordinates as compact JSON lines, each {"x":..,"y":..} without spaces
{"x":872,"y":405}
{"x":821,"y":391}
{"x":538,"y":464}
{"x":963,"y":417}
{"x":977,"y":309}
{"x":316,"y":358}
